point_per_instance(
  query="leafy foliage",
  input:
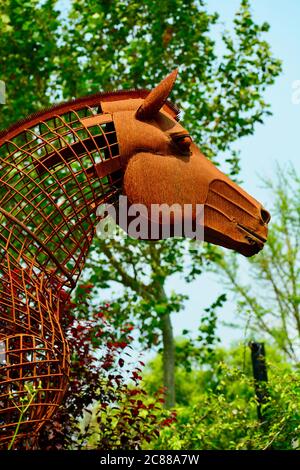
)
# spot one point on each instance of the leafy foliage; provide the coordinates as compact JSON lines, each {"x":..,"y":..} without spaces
{"x":217,"y":407}
{"x":104,"y":406}
{"x":142,"y":268}
{"x":193,"y":351}
{"x":127,"y":44}
{"x":28,"y":61}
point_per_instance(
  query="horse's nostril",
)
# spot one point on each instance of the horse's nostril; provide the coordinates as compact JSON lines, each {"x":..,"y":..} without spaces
{"x":265,"y":216}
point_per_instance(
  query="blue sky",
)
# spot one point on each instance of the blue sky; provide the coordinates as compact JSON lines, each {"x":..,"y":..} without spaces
{"x":275,"y":141}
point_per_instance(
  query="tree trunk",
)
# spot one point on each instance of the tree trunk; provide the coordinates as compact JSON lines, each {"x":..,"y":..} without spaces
{"x":168,"y":360}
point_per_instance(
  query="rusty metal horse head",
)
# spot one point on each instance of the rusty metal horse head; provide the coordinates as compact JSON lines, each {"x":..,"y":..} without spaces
{"x":164,"y":166}
{"x":57,"y":166}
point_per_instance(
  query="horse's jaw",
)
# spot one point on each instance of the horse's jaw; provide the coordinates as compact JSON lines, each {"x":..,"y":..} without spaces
{"x":234,"y":220}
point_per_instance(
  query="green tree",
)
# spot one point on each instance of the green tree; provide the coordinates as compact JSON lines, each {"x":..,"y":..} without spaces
{"x":131,"y":44}
{"x":222,"y":94}
{"x":125,"y":44}
{"x":269,"y":300}
{"x":142,"y":269}
{"x":28,"y":60}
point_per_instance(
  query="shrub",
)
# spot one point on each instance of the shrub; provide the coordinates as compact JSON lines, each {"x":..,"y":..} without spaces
{"x":104,"y":406}
{"x":225,"y":416}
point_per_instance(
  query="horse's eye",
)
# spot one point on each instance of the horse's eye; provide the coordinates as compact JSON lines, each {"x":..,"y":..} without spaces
{"x":182,"y":141}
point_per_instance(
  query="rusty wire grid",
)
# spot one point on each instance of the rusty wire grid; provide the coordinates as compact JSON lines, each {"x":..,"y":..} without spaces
{"x":49,"y":192}
{"x":56,"y":168}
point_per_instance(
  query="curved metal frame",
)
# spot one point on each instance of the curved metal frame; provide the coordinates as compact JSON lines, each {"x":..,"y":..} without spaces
{"x":50,"y":188}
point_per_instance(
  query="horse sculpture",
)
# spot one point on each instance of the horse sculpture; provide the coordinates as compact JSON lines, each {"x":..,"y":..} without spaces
{"x":57,"y":167}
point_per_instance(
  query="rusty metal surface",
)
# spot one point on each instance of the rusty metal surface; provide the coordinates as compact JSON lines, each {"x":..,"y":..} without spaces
{"x":48,"y":194}
{"x":56,"y":167}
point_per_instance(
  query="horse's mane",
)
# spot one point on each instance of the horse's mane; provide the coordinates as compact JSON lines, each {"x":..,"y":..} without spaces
{"x":76,"y":103}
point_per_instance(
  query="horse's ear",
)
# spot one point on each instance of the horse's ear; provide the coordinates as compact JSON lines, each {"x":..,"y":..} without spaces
{"x":157,"y":97}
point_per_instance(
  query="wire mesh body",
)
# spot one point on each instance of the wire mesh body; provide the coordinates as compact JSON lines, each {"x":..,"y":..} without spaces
{"x":49,"y":193}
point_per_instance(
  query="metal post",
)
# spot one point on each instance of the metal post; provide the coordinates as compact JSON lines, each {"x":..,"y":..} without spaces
{"x":260,"y":375}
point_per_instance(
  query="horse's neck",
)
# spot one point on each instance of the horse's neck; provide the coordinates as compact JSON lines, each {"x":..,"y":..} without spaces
{"x":49,"y":196}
